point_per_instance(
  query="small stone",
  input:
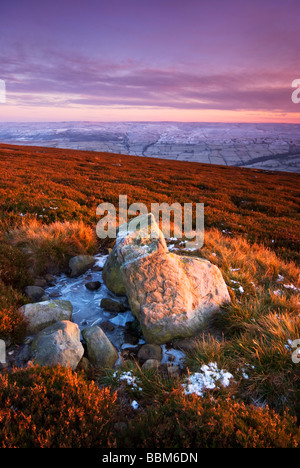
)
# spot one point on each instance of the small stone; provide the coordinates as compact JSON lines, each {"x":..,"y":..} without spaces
{"x":34,"y":293}
{"x":107,"y":326}
{"x":80,"y":264}
{"x":131,"y":339}
{"x":58,"y":344}
{"x":55,"y":294}
{"x":50,"y":279}
{"x":101,"y":352}
{"x":42,"y":314}
{"x":93,"y":285}
{"x":84,"y":364}
{"x":112,"y":305}
{"x":40,"y":282}
{"x":150,"y":351}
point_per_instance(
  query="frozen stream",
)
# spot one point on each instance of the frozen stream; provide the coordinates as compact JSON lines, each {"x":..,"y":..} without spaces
{"x":86,"y":304}
{"x":87,"y":310}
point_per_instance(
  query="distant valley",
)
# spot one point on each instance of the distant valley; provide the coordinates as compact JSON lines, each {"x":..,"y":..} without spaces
{"x":261,"y":146}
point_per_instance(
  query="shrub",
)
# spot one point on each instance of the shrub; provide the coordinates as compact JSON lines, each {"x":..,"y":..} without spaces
{"x":12,"y":323}
{"x":13,"y":265}
{"x":43,"y":407}
{"x":192,"y":422}
{"x":51,"y":246}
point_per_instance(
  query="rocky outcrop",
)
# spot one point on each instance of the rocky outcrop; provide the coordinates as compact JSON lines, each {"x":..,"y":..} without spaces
{"x":171,"y":296}
{"x":101,"y":352}
{"x":58,"y":344}
{"x":42,"y":314}
{"x":80,"y":264}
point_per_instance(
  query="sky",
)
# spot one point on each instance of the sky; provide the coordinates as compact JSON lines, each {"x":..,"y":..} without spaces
{"x":142,"y":60}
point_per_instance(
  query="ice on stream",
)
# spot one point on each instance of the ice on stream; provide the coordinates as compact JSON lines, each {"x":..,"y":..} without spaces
{"x":86,"y":304}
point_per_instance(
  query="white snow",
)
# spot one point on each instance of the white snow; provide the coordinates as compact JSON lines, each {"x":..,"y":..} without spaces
{"x":210,"y":377}
{"x":175,"y":354}
{"x":130,"y":379}
{"x":291,"y":286}
{"x":135,"y":405}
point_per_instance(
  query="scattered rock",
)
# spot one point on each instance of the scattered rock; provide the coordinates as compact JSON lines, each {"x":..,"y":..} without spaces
{"x":50,"y":279}
{"x":93,"y":285}
{"x":101,"y":352}
{"x":151,"y":364}
{"x":41,"y":282}
{"x":42,"y":314}
{"x":80,"y":264}
{"x":45,"y":298}
{"x":112,"y":305}
{"x":150,"y":351}
{"x":130,"y":339}
{"x":34,"y":293}
{"x":55,"y":294}
{"x":107,"y":326}
{"x":84,"y":365}
{"x":58,"y":344}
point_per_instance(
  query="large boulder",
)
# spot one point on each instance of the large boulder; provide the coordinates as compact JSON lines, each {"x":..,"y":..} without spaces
{"x":58,"y":344}
{"x":80,"y":264}
{"x":171,"y":296}
{"x":42,"y":314}
{"x":101,"y":352}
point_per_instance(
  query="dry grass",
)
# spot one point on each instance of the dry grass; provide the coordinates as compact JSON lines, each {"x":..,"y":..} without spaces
{"x":51,"y":246}
{"x":252,"y":233}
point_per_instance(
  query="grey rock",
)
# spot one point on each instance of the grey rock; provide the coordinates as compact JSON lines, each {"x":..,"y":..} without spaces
{"x":34,"y":293}
{"x":42,"y":314}
{"x":101,"y":352}
{"x":80,"y":264}
{"x":111,"y":305}
{"x":93,"y":285}
{"x":150,"y":351}
{"x":58,"y":344}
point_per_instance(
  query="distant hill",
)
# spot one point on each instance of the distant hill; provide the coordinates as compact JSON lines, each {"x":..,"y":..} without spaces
{"x":263,"y":146}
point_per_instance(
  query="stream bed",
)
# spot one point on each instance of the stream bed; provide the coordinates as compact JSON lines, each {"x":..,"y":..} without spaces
{"x":87,"y":311}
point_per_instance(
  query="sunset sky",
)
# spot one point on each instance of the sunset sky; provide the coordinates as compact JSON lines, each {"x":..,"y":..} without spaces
{"x":139,"y":60}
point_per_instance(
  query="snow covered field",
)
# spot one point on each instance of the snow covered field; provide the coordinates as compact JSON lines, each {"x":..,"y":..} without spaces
{"x":265,"y":146}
